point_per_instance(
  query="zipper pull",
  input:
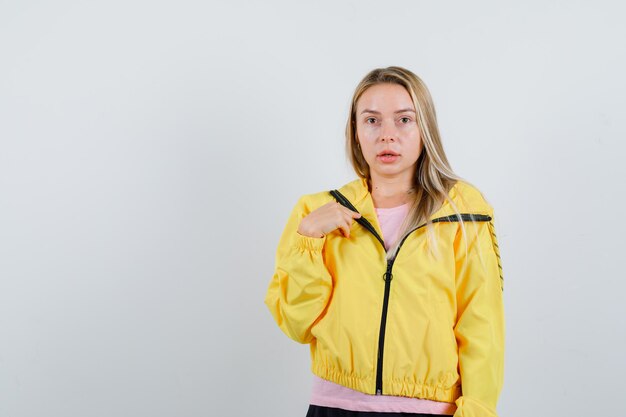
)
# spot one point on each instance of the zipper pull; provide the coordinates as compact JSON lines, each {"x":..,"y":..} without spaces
{"x":378,"y":392}
{"x":388,"y":275}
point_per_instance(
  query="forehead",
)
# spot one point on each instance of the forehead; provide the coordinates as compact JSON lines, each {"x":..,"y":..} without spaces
{"x":385,"y":98}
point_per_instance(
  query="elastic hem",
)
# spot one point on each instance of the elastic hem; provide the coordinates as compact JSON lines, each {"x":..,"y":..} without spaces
{"x":353,"y":382}
{"x":403,"y":388}
{"x":407,"y":388}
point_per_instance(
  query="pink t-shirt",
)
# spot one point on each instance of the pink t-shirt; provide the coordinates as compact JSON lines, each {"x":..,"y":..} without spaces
{"x":328,"y":394}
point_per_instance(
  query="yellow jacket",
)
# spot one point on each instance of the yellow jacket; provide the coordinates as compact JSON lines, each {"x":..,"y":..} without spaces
{"x":413,"y":326}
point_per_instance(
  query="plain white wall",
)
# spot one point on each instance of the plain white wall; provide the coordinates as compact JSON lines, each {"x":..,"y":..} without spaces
{"x":151,"y":152}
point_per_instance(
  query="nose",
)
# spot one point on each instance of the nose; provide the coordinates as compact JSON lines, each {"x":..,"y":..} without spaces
{"x":388,"y":133}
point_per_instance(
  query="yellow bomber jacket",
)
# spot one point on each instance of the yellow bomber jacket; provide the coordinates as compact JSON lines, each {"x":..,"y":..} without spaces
{"x":413,"y":326}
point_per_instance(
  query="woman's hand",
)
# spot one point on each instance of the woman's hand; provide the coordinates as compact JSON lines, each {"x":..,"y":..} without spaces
{"x":327,"y":218}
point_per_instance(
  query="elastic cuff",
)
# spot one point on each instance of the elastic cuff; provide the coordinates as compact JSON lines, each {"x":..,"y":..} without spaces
{"x":313,"y":244}
{"x":472,"y":407}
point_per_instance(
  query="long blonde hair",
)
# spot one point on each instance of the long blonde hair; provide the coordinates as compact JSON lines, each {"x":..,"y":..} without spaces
{"x":433,"y":177}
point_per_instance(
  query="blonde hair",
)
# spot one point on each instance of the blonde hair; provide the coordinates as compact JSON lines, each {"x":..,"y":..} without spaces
{"x":433,"y":177}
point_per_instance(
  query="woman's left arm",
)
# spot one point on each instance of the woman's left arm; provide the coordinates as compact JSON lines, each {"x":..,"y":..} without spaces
{"x":480,"y":325}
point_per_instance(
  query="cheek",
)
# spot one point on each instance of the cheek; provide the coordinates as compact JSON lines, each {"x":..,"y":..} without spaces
{"x":412,"y":132}
{"x":366,"y":149}
{"x":414,"y":138}
{"x":360,"y":131}
{"x":364,"y":135}
{"x":415,"y":145}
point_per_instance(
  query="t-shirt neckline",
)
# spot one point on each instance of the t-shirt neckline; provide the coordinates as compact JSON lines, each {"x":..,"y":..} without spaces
{"x":391,"y":209}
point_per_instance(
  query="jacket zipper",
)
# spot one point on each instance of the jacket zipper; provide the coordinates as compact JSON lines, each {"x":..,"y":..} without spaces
{"x":388,"y":275}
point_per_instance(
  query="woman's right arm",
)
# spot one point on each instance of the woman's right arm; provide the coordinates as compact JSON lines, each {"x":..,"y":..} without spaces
{"x":301,"y":285}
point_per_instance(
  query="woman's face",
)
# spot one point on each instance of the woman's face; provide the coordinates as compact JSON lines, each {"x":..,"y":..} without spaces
{"x":386,"y":124}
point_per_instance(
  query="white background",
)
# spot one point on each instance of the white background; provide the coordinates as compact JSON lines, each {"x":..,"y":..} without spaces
{"x":151,"y":152}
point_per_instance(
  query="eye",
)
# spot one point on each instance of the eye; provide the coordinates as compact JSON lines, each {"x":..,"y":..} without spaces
{"x":405,"y":120}
{"x":370,"y":118}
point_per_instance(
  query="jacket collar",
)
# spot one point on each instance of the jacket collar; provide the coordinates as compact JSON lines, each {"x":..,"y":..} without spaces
{"x":466,"y":197}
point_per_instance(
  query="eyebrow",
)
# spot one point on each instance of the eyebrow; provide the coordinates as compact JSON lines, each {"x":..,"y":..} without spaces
{"x":396,"y":112}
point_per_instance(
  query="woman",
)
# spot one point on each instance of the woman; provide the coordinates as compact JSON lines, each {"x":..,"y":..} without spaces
{"x":394,"y":279}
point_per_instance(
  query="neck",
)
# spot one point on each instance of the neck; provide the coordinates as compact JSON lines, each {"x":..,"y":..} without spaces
{"x":389,"y":192}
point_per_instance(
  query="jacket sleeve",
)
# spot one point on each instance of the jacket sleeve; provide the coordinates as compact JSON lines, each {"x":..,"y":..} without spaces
{"x":301,"y":285}
{"x":480,"y":325}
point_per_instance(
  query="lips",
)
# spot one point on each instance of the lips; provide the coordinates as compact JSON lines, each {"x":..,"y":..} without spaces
{"x":388,"y":157}
{"x":387,"y":152}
